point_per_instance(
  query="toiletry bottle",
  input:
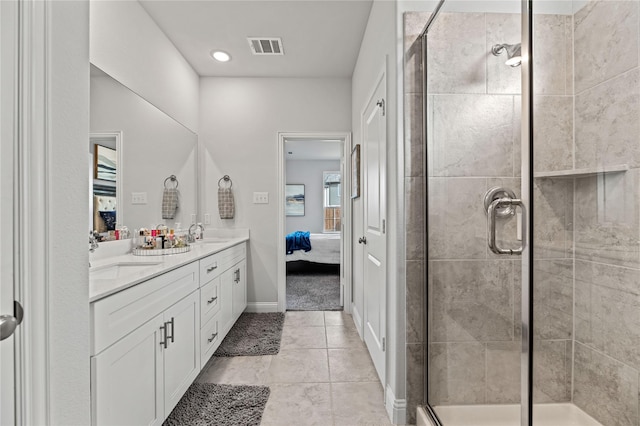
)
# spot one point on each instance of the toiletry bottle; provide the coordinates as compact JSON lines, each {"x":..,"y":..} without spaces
{"x":172,"y":238}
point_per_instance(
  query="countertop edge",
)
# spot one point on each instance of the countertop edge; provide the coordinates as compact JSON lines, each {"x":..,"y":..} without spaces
{"x":198,"y":251}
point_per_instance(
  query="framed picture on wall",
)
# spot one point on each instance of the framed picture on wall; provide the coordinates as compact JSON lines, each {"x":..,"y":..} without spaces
{"x":355,"y":171}
{"x":105,"y":164}
{"x":294,"y":200}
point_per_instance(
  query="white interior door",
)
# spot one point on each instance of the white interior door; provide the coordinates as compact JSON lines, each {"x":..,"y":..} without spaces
{"x":374,"y":240}
{"x":342,"y":239}
{"x":8,"y":73}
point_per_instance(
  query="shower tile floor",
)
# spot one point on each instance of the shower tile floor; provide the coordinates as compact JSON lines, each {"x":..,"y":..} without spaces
{"x":323,"y":374}
{"x":509,"y":415}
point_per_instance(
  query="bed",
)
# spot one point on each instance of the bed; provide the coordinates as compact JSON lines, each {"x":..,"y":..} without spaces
{"x":325,"y":248}
{"x":104,"y":213}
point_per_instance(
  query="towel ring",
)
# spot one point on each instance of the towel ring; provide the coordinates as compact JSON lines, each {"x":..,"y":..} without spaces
{"x":225,"y":178}
{"x":172,"y":178}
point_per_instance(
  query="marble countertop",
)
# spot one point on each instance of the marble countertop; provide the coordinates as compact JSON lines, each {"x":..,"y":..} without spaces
{"x":151,"y":266}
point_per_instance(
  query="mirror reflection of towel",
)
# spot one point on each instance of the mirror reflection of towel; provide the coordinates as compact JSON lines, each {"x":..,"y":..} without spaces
{"x":169,"y":203}
{"x":225,"y":203}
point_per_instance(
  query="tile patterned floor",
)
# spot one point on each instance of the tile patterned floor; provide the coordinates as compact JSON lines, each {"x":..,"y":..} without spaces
{"x":322,"y":376}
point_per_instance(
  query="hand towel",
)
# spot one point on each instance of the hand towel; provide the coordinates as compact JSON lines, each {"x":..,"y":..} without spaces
{"x":225,"y":203}
{"x":169,"y":203}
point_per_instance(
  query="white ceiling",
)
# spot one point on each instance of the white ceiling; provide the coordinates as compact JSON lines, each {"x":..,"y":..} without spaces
{"x":311,"y":149}
{"x":320,"y":38}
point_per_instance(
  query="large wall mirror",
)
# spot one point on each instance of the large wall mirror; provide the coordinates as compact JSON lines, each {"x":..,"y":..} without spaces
{"x":134,"y":150}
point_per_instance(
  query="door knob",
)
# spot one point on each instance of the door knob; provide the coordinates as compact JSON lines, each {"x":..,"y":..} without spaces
{"x":8,"y":324}
{"x":362,"y":240}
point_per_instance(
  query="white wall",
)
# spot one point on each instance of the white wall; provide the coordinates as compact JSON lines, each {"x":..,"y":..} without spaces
{"x":380,"y":44}
{"x":309,"y":173}
{"x":67,"y":189}
{"x":239,"y":123}
{"x":128,"y":45}
{"x":154,"y":147}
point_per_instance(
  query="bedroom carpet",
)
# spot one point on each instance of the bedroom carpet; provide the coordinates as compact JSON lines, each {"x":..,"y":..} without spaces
{"x":313,"y":291}
{"x":252,"y":335}
{"x":208,"y":404}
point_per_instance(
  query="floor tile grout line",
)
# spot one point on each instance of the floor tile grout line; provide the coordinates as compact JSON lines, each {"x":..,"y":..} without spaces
{"x":326,"y":339}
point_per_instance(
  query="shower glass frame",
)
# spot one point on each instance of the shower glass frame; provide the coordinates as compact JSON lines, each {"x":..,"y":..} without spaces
{"x":527,"y":180}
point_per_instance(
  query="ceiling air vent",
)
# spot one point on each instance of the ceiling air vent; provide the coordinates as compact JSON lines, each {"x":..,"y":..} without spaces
{"x":265,"y":45}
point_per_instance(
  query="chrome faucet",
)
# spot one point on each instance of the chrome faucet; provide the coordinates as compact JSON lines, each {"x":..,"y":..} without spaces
{"x":191,"y":238}
{"x":93,"y":242}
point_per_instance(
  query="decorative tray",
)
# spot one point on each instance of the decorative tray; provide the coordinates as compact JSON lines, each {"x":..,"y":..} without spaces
{"x":160,"y":252}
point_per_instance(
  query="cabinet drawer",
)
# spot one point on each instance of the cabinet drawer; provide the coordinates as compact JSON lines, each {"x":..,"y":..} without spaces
{"x":212,"y":266}
{"x":210,"y":338}
{"x":117,"y":315}
{"x":209,"y":300}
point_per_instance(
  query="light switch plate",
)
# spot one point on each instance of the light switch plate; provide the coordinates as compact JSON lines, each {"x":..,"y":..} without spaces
{"x":138,"y":198}
{"x":260,"y":198}
{"x":207,"y":219}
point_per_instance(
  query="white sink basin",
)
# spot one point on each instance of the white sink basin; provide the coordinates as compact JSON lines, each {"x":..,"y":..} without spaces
{"x":118,"y":270}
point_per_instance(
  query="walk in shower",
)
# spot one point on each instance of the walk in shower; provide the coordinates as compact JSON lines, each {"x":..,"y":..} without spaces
{"x":530,"y":117}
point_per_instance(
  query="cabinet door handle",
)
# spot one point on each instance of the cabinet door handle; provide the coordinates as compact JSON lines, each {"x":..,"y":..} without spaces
{"x":172,"y":329}
{"x":213,"y":336}
{"x":163,"y":329}
{"x":213,"y":299}
{"x":211,"y":269}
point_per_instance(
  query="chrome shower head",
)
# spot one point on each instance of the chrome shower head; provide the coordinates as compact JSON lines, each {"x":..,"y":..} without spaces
{"x":514,"y":56}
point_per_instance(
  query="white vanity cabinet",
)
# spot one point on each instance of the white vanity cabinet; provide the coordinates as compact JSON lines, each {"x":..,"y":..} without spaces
{"x":220,"y":305}
{"x":150,"y":341}
{"x":239,"y":289}
{"x":146,"y":343}
{"x":182,"y":355}
{"x":127,"y":379}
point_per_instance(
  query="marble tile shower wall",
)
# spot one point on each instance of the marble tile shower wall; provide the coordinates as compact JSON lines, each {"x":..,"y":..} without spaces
{"x":474,"y":123}
{"x":607,"y":219}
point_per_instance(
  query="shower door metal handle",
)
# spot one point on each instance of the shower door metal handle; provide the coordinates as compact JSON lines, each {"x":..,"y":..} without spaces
{"x":491,"y":226}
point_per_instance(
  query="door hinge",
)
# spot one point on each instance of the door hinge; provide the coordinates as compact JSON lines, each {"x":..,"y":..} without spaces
{"x":380,"y":103}
{"x":384,"y":226}
{"x":384,"y":344}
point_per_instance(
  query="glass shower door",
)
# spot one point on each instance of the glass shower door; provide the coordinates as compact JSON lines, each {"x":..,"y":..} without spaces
{"x":586,"y":209}
{"x":472,"y":116}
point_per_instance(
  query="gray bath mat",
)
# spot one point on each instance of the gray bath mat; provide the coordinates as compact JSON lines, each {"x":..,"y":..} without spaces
{"x":253,"y":334}
{"x":316,"y":291}
{"x":209,"y":404}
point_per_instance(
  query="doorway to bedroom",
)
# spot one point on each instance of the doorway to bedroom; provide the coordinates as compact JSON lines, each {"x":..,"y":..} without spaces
{"x":314,"y":222}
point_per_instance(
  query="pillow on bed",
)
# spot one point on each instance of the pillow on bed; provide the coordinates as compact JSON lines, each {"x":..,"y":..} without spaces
{"x":109,"y":219}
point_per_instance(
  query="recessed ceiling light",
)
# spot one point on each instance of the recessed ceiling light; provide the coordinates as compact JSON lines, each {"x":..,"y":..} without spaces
{"x":220,"y":56}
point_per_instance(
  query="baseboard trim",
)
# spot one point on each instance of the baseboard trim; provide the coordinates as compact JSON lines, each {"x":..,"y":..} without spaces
{"x":262,"y":307}
{"x":396,"y":408}
{"x":357,"y":320}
